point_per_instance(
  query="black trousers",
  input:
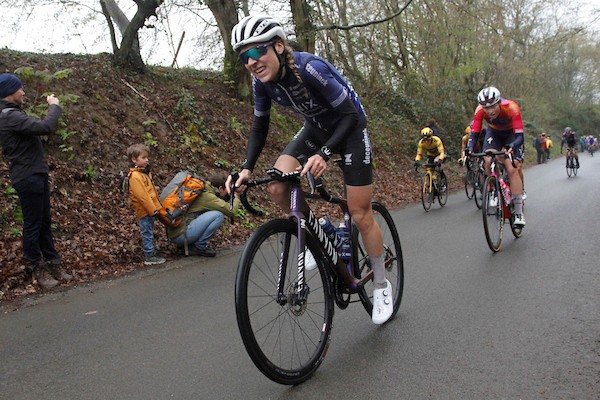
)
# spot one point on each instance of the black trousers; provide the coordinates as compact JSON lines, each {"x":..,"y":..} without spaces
{"x":540,"y":154}
{"x":34,"y":195}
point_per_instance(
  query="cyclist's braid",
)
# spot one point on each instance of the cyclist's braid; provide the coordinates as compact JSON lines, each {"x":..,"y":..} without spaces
{"x":291,"y":63}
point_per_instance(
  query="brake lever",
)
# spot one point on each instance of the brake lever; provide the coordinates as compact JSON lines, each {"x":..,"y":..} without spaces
{"x":234,"y":177}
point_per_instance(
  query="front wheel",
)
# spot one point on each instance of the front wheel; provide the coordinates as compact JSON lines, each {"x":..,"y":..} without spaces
{"x":443,"y":189}
{"x":394,"y":263}
{"x":427,"y":192}
{"x":286,"y":335}
{"x":493,"y":213}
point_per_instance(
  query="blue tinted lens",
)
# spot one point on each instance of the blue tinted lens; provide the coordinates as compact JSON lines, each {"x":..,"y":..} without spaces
{"x":254,"y":53}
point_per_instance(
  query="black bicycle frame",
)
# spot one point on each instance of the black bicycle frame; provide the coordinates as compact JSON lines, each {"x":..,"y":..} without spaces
{"x":306,"y":220}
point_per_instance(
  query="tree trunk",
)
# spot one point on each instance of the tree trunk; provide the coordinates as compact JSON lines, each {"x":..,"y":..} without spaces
{"x":225,"y":14}
{"x":305,"y":33}
{"x":128,"y":54}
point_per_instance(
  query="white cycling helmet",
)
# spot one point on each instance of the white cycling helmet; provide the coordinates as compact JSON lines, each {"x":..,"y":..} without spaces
{"x":255,"y":29}
{"x":488,"y":96}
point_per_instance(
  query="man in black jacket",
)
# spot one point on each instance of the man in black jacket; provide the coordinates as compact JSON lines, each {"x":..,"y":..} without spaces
{"x":28,"y":171}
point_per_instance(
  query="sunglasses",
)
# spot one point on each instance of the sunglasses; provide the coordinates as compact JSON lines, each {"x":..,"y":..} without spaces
{"x":255,"y":52}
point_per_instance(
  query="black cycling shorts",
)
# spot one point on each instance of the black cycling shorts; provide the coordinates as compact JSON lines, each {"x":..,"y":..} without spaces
{"x":357,"y":162}
{"x":496,"y":140}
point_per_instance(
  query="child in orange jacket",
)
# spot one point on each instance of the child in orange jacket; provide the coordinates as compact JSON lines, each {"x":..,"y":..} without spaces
{"x":144,"y":199}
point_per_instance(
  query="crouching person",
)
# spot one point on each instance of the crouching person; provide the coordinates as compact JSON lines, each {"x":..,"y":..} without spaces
{"x":203,"y":219}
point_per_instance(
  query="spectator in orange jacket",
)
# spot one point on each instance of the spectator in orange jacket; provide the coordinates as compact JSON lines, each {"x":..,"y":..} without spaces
{"x":144,"y":199}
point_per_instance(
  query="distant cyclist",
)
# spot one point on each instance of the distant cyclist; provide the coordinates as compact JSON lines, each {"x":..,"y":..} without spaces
{"x":570,"y":139}
{"x":463,"y":145}
{"x":504,"y":131}
{"x":433,"y":147}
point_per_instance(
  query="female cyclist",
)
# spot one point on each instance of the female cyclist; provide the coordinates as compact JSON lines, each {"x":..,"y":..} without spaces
{"x":334,"y":122}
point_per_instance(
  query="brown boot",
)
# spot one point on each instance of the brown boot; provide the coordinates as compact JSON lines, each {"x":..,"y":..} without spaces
{"x":58,"y":272}
{"x":43,"y":277}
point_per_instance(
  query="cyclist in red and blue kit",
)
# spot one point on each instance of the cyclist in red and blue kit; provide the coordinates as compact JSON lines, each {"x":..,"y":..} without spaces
{"x":570,"y":139}
{"x":504,"y":131}
{"x":334,"y":122}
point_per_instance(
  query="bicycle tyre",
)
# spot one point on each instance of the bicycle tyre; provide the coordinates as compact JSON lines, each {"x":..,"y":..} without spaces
{"x":394,"y":263}
{"x":570,"y":163}
{"x":426,"y":193}
{"x":470,"y":184}
{"x":286,"y":342}
{"x":479,"y":185}
{"x":575,"y":167}
{"x":443,"y":190}
{"x":493,"y":217}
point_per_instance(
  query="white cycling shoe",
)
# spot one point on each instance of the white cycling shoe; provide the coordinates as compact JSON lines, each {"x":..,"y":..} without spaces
{"x":493,"y":202}
{"x":519,"y":221}
{"x":310,"y":264}
{"x":383,"y":304}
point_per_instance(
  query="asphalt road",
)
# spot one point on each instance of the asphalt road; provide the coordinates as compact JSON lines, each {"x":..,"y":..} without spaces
{"x":520,"y":324}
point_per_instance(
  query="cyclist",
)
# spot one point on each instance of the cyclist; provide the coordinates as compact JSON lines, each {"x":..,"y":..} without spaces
{"x":434,"y":148}
{"x":504,"y":131}
{"x":334,"y":122}
{"x":463,"y":145}
{"x":570,"y":139}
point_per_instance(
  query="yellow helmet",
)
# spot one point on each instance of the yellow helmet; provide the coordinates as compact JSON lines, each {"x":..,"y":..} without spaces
{"x":468,"y":129}
{"x":426,"y":132}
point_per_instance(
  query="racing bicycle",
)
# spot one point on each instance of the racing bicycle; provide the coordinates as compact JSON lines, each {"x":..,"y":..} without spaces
{"x":284,"y":311}
{"x":433,"y":186}
{"x":497,"y":205}
{"x":571,"y":163}
{"x":474,"y":179}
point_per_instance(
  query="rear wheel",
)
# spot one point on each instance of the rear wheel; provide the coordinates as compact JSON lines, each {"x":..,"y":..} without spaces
{"x":443,"y":189}
{"x":394,"y":264}
{"x":493,"y":213}
{"x":570,"y":166}
{"x":470,"y":183}
{"x":427,"y":192}
{"x":286,"y":336}
{"x":479,"y":184}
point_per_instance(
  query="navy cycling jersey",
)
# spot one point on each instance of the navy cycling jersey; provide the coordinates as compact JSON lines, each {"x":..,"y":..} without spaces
{"x":571,"y":139}
{"x":328,"y":103}
{"x":326,"y":87}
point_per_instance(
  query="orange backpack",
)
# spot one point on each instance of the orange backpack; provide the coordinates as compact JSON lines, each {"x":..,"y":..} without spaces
{"x":177,"y":197}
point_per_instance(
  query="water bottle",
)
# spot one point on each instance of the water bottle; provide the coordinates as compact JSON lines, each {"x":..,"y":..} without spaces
{"x":329,"y":229}
{"x":505,"y":190}
{"x":344,"y":236}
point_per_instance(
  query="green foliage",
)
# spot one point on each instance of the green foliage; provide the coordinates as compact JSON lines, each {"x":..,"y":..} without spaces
{"x":284,"y":122}
{"x":63,"y":73}
{"x":68,"y":151}
{"x":98,"y":120}
{"x":148,"y":122}
{"x":222,"y":163}
{"x":65,"y":134}
{"x":10,"y":209}
{"x":236,"y":125}
{"x":90,"y":173}
{"x":149,"y":140}
{"x":242,"y":216}
{"x":196,"y":136}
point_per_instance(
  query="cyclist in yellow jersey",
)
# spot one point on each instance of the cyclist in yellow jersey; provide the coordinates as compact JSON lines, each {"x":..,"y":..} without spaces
{"x":465,"y":139}
{"x":433,"y":147}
